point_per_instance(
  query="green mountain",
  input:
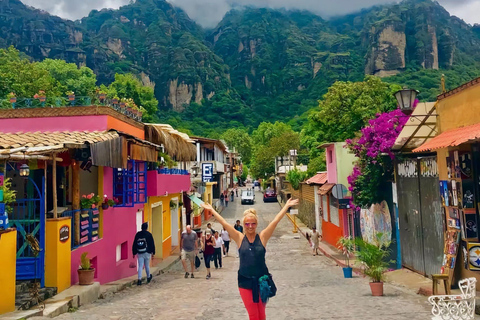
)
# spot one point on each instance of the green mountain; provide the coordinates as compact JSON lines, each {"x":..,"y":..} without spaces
{"x":257,"y":64}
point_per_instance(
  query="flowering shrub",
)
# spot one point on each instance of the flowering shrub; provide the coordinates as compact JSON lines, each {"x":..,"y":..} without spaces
{"x":373,"y":150}
{"x":89,"y":201}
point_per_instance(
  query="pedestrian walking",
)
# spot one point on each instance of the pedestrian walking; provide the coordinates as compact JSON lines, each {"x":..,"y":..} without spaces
{"x":236,"y":191}
{"x":209,"y":227}
{"x":316,"y":237}
{"x":254,"y":281}
{"x":189,"y":247}
{"x":222,"y":199}
{"x":226,"y":240}
{"x":217,"y":255}
{"x":208,"y":251}
{"x":144,"y":248}
{"x":232,"y":195}
{"x":226,"y":199}
{"x":239,"y":228}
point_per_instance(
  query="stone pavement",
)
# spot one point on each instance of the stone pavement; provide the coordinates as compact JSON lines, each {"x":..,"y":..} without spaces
{"x":309,"y":287}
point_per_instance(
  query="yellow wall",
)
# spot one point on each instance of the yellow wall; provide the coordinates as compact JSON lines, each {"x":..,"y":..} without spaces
{"x":8,"y":252}
{"x":163,"y":249}
{"x":460,"y":109}
{"x":58,"y":257}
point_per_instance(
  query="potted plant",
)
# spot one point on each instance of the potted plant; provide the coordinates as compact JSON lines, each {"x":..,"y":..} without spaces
{"x":40,"y":96}
{"x":71,"y":95}
{"x":173,"y":204}
{"x":373,"y":258}
{"x":115,"y":100}
{"x":347,"y":245}
{"x":85,"y":271}
{"x":89,"y":201}
{"x":107,"y":202}
{"x":12,"y":97}
{"x":102,"y":94}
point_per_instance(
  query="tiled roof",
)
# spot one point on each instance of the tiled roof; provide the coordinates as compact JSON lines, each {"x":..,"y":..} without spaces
{"x":452,"y":138}
{"x":41,"y":141}
{"x":323,"y":190}
{"x":319,"y":178}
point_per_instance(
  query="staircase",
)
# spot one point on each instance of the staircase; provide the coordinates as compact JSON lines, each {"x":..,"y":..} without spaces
{"x":23,"y":295}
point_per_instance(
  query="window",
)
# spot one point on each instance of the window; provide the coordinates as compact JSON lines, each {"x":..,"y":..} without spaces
{"x":130,"y":185}
{"x":122,"y":252}
{"x":334,"y":215}
{"x":325,"y":207}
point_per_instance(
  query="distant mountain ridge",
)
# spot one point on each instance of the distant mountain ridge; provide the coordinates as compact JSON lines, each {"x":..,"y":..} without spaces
{"x":276,"y":63}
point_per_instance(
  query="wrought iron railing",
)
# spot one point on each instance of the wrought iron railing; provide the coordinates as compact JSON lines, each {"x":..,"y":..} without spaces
{"x":172,"y":171}
{"x":72,"y":101}
{"x":88,"y":228}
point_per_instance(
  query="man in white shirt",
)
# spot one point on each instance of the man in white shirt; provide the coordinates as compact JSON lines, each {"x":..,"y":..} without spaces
{"x":217,"y":255}
{"x":226,"y":240}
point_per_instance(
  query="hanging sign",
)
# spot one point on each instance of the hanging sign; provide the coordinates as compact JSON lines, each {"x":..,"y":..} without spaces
{"x":2,"y":177}
{"x":64,"y":233}
{"x":207,"y":172}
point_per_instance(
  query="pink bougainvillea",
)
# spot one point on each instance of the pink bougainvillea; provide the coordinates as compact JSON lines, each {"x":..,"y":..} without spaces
{"x":373,"y":150}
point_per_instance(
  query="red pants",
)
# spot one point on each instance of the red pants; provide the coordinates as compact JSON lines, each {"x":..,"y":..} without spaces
{"x":256,"y":311}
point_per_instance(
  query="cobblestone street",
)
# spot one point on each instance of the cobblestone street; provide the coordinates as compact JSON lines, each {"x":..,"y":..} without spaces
{"x":309,"y":287}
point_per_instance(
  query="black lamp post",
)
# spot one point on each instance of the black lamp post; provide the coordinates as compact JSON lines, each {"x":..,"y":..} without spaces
{"x":406,"y":100}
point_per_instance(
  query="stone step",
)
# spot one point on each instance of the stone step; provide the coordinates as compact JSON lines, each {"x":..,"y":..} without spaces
{"x":24,"y":301}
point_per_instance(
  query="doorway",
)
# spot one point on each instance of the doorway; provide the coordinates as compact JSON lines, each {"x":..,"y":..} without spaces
{"x":156,"y":227}
{"x":174,"y":222}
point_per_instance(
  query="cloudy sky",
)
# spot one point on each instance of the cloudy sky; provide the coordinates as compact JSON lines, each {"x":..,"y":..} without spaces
{"x":209,"y":12}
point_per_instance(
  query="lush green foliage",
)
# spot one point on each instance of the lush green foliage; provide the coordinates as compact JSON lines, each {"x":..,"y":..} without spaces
{"x":240,"y":140}
{"x":373,"y":257}
{"x":295,"y":177}
{"x":9,"y":195}
{"x":85,"y":262}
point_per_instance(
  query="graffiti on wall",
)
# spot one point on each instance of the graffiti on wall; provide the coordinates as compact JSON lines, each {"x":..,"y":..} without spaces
{"x":376,"y":220}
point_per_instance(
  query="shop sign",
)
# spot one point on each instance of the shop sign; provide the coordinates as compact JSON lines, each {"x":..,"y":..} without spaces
{"x":207,"y":172}
{"x":408,"y":168}
{"x":64,"y":233}
{"x":428,"y":167}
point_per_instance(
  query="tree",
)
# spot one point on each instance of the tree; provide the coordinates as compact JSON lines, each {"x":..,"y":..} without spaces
{"x":22,"y":77}
{"x":347,"y":107}
{"x":130,"y":87}
{"x":240,"y":140}
{"x":68,"y":76}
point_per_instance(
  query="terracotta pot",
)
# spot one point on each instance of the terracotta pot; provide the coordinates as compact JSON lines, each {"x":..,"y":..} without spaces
{"x":377,"y":288}
{"x":114,"y":101}
{"x":42,"y":99}
{"x":13,"y":100}
{"x":71,"y":97}
{"x":85,"y":277}
{"x":102,"y":96}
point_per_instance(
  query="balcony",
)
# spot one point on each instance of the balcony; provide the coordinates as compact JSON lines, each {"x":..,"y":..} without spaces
{"x":163,"y":181}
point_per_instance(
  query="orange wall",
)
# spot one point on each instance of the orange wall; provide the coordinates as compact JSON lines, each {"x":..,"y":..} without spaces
{"x":331,"y":233}
{"x":167,"y":247}
{"x":119,"y":125}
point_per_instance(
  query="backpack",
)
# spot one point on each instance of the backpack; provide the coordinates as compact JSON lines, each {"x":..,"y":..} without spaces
{"x":141,"y":245}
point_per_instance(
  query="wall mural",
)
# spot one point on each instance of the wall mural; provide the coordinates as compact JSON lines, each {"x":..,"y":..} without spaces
{"x":376,"y":220}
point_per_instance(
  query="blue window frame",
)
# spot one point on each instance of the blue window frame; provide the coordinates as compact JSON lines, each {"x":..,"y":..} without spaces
{"x":130,"y":184}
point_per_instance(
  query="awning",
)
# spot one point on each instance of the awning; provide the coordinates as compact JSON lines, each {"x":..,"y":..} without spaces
{"x":452,"y":138}
{"x":420,"y":128}
{"x":196,"y":200}
{"x":319,"y":178}
{"x":325,"y":188}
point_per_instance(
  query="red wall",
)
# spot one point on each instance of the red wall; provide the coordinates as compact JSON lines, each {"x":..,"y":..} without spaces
{"x":119,"y":226}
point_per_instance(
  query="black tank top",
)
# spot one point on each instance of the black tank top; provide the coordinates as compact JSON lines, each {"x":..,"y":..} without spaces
{"x":252,"y":262}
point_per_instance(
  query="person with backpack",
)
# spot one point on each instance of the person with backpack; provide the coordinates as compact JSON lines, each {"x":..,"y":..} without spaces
{"x":144,"y":248}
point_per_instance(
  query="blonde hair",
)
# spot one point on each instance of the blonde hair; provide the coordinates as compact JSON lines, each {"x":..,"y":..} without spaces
{"x":250,"y":213}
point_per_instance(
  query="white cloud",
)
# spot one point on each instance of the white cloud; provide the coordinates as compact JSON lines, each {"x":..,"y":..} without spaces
{"x":209,"y":12}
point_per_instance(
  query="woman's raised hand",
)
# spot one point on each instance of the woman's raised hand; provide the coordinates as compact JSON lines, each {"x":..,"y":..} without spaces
{"x":207,"y":206}
{"x":290,"y":203}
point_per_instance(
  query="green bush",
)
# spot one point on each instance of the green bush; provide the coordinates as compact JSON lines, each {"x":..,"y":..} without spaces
{"x":373,"y":257}
{"x":295,"y":177}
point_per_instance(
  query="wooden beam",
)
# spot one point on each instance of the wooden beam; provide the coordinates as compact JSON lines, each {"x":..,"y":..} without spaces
{"x":76,"y":198}
{"x":54,"y":186}
{"x":45,"y":186}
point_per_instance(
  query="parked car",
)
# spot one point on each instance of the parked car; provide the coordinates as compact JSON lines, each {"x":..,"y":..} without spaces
{"x":270,"y":196}
{"x":248,"y":197}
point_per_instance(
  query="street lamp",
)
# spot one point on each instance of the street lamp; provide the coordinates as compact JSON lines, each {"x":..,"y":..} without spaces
{"x":406,"y":100}
{"x":24,"y":170}
{"x":195,"y":169}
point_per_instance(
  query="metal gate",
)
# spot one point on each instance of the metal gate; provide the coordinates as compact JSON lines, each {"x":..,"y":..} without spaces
{"x":420,"y":215}
{"x":28,"y":217}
